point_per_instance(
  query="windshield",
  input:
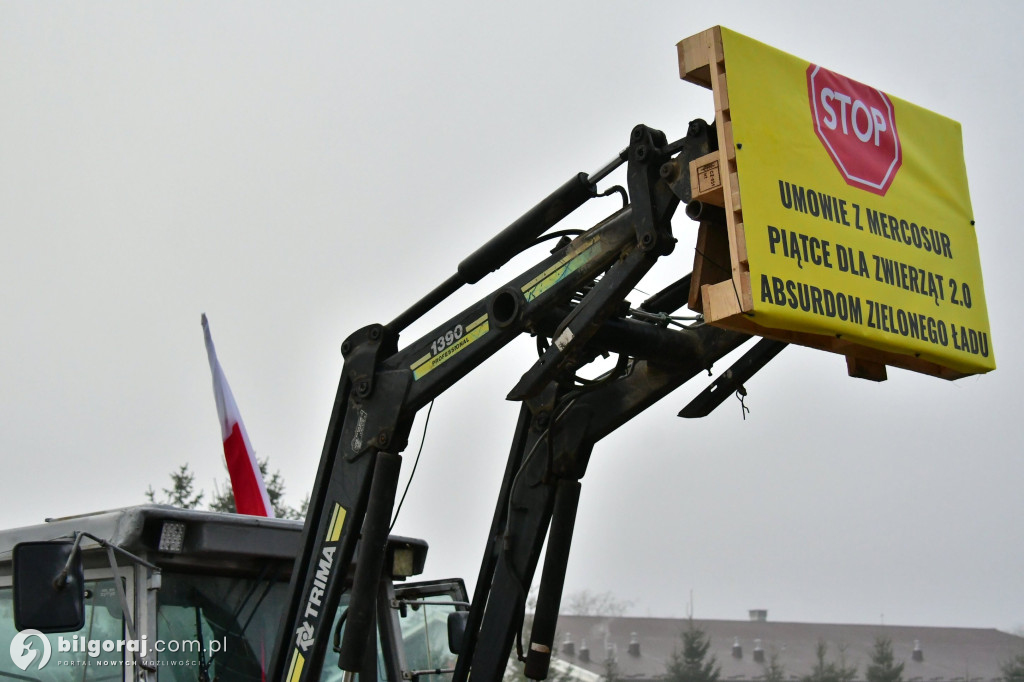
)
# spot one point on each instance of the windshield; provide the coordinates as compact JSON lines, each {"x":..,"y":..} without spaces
{"x":422,"y":615}
{"x":425,"y":638}
{"x":228,"y":627}
{"x":225,"y":625}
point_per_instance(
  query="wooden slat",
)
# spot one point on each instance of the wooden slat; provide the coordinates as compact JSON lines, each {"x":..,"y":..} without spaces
{"x":741,"y":244}
{"x":832,"y":344}
{"x":702,"y":61}
{"x":720,"y":305}
{"x":729,"y":148}
{"x":710,"y":261}
{"x":695,"y":55}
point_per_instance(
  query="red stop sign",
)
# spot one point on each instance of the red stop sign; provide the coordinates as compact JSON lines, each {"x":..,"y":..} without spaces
{"x":857,"y":125}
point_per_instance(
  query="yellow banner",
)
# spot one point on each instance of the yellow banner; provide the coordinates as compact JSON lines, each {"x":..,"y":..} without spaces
{"x":856,"y":211}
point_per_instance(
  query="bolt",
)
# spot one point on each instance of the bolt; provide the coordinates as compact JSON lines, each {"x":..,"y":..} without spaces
{"x":669,"y":171}
{"x":374,"y":333}
{"x":383,"y":439}
{"x":647,"y":240}
{"x":363,"y":389}
{"x":641,"y":152}
{"x":346,"y":347}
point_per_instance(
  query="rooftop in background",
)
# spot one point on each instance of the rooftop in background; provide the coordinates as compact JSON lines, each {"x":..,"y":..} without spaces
{"x":946,"y":654}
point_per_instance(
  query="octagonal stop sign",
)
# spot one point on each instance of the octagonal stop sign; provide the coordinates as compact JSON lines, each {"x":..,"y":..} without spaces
{"x":857,"y":125}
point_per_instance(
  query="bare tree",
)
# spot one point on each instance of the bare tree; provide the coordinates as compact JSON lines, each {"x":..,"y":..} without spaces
{"x":587,"y":603}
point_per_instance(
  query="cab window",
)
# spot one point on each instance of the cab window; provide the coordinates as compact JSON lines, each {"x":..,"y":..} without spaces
{"x":96,"y":652}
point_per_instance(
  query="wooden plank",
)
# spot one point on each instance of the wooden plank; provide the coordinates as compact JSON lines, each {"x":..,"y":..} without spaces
{"x":710,"y":262}
{"x":720,"y":300}
{"x":695,"y":56}
{"x":715,"y":181}
{"x":746,"y":295}
{"x":730,"y":144}
{"x":740,"y":280}
{"x":700,"y":274}
{"x":741,"y":242}
{"x":745,"y":323}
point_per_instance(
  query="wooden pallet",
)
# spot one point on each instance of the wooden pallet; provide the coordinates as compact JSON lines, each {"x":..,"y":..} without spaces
{"x":720,"y":287}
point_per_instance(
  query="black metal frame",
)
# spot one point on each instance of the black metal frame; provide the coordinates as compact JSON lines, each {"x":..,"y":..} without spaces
{"x":382,"y":388}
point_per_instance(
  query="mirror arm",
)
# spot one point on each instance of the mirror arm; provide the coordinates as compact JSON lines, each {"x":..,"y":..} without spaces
{"x":110,"y":546}
{"x":61,"y":581}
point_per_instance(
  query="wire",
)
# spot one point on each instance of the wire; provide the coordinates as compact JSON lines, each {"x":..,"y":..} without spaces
{"x":572,"y":233}
{"x":616,"y":189}
{"x":662,"y":319}
{"x":423,"y":439}
{"x":741,"y":394}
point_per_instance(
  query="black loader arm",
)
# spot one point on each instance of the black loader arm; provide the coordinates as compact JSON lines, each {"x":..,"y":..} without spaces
{"x":555,"y":435}
{"x":383,"y":386}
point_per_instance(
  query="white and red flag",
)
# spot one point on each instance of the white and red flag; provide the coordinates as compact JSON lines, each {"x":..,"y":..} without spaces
{"x":246,"y":479}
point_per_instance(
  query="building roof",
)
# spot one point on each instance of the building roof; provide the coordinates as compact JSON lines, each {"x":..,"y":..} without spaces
{"x":947,"y":654}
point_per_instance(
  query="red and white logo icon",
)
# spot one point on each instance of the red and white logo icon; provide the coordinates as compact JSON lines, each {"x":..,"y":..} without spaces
{"x":857,"y":125}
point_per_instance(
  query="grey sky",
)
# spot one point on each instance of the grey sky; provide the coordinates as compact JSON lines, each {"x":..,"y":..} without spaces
{"x":297,"y":171}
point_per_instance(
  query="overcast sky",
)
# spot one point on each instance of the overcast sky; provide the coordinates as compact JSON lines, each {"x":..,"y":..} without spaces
{"x":299,"y":170}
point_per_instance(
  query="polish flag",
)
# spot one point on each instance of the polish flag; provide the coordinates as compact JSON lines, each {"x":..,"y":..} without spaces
{"x":246,"y":479}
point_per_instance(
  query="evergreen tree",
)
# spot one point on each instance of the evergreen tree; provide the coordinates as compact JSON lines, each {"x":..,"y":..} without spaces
{"x":830,"y":671}
{"x":224,"y":497}
{"x":1013,"y":669}
{"x":692,"y":664}
{"x":182,"y":491}
{"x":883,"y":667}
{"x":611,"y":666}
{"x":773,"y":670}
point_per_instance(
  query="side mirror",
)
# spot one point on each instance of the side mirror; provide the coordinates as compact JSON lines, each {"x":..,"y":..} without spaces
{"x":49,"y":586}
{"x":458,"y":621}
